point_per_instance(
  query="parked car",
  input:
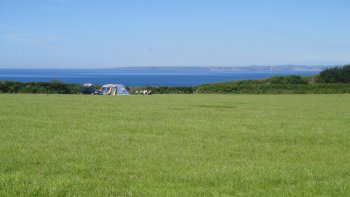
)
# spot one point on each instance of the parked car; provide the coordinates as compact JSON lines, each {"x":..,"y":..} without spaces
{"x":88,"y":88}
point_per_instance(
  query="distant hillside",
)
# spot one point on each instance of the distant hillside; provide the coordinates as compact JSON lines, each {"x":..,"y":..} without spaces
{"x":229,"y":68}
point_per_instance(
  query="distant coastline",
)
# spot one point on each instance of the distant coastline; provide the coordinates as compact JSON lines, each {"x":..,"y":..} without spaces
{"x":205,"y":68}
{"x":156,"y":76}
{"x":229,"y":68}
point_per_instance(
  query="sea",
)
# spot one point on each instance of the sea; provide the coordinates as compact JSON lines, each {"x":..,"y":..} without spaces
{"x":139,"y":77}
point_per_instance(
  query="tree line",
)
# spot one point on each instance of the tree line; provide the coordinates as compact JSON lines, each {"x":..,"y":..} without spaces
{"x":53,"y":87}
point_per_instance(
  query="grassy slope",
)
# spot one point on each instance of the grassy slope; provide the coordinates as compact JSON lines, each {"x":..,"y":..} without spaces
{"x":175,"y":145}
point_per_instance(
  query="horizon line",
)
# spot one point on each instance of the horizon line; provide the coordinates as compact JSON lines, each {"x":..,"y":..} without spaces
{"x":128,"y":67}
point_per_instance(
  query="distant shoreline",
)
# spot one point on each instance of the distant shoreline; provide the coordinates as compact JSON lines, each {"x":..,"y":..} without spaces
{"x":200,"y":68}
{"x":150,"y":76}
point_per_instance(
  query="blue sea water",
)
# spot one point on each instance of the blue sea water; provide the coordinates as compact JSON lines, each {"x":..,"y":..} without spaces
{"x":140,"y":77}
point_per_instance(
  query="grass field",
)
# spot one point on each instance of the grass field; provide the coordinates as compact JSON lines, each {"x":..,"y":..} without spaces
{"x":175,"y":145}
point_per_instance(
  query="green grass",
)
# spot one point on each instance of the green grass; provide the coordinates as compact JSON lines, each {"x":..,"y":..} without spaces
{"x":175,"y":145}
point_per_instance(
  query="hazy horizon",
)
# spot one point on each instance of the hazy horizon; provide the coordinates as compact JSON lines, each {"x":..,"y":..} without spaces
{"x":183,"y":67}
{"x":135,"y":33}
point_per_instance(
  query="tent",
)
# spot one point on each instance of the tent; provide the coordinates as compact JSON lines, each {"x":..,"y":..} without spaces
{"x":114,"y":89}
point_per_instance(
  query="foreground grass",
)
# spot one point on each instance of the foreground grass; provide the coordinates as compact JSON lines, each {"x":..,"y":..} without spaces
{"x":197,"y":145}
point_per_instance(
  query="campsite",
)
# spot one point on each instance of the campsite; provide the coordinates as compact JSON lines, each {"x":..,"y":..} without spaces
{"x":174,"y":145}
{"x":178,"y":98}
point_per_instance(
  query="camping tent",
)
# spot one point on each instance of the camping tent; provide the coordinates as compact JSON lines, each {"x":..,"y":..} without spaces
{"x":114,"y":89}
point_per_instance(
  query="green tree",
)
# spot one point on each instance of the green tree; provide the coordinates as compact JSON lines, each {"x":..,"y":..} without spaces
{"x":336,"y":74}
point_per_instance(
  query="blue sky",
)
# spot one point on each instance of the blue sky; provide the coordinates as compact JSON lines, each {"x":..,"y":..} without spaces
{"x":119,"y":33}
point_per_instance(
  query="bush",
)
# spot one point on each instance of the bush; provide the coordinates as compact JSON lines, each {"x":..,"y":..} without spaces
{"x":54,"y":87}
{"x":236,"y":88}
{"x":291,"y":79}
{"x":336,"y":74}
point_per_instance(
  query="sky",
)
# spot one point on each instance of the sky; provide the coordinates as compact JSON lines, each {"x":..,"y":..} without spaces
{"x":128,"y":33}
